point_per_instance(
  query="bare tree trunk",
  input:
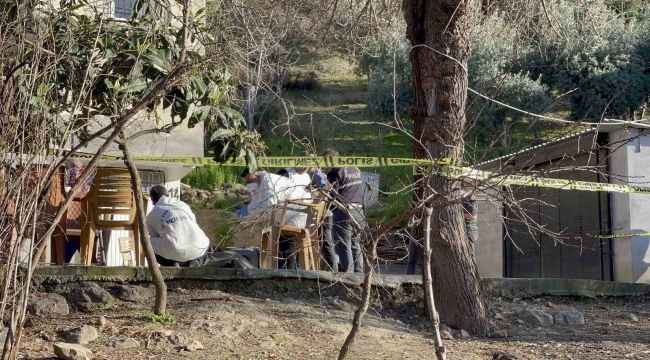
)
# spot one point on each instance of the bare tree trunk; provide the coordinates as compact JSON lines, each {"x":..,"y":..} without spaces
{"x":371,"y":257}
{"x":428,"y":288}
{"x":439,"y":33}
{"x":156,"y":275}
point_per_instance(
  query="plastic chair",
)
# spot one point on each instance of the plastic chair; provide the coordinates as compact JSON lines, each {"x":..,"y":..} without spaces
{"x":306,"y":237}
{"x":110,"y":197}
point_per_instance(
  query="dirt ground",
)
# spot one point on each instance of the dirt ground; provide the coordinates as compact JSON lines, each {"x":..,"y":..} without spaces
{"x":236,"y":326}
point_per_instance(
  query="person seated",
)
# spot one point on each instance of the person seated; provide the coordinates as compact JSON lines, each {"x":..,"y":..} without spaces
{"x":176,"y":238}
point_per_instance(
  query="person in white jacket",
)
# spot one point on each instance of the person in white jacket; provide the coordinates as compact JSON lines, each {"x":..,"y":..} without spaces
{"x":271,"y":190}
{"x":176,"y":238}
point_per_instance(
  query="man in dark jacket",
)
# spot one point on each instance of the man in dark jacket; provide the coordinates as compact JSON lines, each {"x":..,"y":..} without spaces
{"x":348,"y":187}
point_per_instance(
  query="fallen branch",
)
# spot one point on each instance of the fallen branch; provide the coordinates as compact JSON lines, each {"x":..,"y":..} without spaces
{"x":428,"y":285}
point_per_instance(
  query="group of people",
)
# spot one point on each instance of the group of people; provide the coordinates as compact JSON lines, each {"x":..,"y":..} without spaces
{"x":339,"y":236}
{"x":177,"y":239}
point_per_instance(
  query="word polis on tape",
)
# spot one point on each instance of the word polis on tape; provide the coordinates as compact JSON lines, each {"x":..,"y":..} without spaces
{"x":292,"y":161}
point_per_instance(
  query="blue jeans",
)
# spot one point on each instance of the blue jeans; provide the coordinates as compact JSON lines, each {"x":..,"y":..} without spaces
{"x":346,"y":240}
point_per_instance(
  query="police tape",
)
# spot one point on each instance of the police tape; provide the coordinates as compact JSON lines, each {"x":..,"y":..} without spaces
{"x":618,"y":236}
{"x":443,"y":167}
{"x":286,"y":161}
{"x":458,"y":172}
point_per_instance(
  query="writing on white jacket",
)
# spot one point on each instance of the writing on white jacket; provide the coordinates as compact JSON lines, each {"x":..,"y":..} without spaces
{"x":174,"y":233}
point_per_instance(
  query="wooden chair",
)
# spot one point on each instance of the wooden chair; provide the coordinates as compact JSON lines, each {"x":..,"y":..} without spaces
{"x":110,"y":195}
{"x":306,"y":237}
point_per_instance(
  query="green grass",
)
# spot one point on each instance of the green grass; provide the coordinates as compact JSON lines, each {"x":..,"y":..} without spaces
{"x":165,"y":319}
{"x":210,"y":177}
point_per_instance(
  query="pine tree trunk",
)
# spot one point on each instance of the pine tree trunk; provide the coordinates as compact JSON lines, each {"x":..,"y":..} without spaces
{"x":156,"y":276}
{"x":439,"y":33}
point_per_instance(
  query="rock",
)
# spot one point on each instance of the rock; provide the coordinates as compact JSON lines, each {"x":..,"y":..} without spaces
{"x":72,"y":352}
{"x":127,"y":343}
{"x":421,"y":305}
{"x":101,"y":321}
{"x":499,"y":334}
{"x":135,"y":293}
{"x":48,"y":305}
{"x":342,"y":305}
{"x":446,"y":335}
{"x":498,"y":316}
{"x":241,"y":190}
{"x":194,"y":346}
{"x":569,"y":317}
{"x":444,"y":327}
{"x":464,"y":334}
{"x":536,"y":317}
{"x":91,"y":297}
{"x":82,"y":335}
{"x":523,"y":304}
{"x":226,"y":186}
{"x":602,"y":323}
{"x":232,"y":197}
{"x":178,"y":340}
{"x":520,"y":322}
{"x":631,"y":317}
{"x":499,"y":355}
{"x":551,"y":305}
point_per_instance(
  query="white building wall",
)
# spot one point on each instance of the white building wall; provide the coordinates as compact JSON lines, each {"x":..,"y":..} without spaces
{"x":489,"y":245}
{"x":631,"y":212}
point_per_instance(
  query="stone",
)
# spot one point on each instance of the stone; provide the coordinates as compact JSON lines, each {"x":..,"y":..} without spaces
{"x":523,"y":304}
{"x":226,"y":186}
{"x":135,"y":293}
{"x":194,"y":346}
{"x":569,"y":317}
{"x":342,"y":305}
{"x":551,"y":305}
{"x":499,"y":334}
{"x":520,"y":322}
{"x":536,"y":317}
{"x":602,"y":323}
{"x":464,"y":334}
{"x":444,"y":327}
{"x":421,"y":305}
{"x":48,"y":305}
{"x":631,"y":317}
{"x":446,"y":335}
{"x":127,"y":343}
{"x":83,"y":335}
{"x":498,"y":316}
{"x":178,"y":340}
{"x":232,"y":197}
{"x":72,"y":352}
{"x":101,"y":321}
{"x":90,"y":297}
{"x":241,"y":190}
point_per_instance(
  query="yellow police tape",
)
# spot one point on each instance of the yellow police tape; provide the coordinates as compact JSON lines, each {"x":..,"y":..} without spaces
{"x":618,"y":236}
{"x":458,"y":172}
{"x":444,"y":167}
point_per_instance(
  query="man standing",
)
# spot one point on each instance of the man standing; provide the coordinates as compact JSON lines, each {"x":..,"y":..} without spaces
{"x":176,"y":238}
{"x":348,"y":187}
{"x":272,"y":190}
{"x":319,"y":181}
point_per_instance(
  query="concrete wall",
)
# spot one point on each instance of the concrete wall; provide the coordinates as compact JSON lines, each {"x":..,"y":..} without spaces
{"x":489,"y":245}
{"x":631,"y":212}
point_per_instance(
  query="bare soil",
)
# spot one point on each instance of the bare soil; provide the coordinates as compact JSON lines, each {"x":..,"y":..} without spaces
{"x":235,"y":326}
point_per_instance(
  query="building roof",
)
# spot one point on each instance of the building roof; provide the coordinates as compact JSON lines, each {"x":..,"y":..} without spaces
{"x":601,"y":128}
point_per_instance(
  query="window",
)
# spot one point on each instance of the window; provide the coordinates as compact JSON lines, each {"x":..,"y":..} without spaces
{"x":123,"y":9}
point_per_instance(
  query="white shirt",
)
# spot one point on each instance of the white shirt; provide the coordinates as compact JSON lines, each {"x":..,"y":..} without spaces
{"x":300,"y":179}
{"x":275,"y":190}
{"x":174,"y":233}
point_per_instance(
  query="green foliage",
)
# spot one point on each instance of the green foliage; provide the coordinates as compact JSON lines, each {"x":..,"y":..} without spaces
{"x":108,"y":68}
{"x":165,"y":318}
{"x":222,"y":233}
{"x":211,"y":177}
